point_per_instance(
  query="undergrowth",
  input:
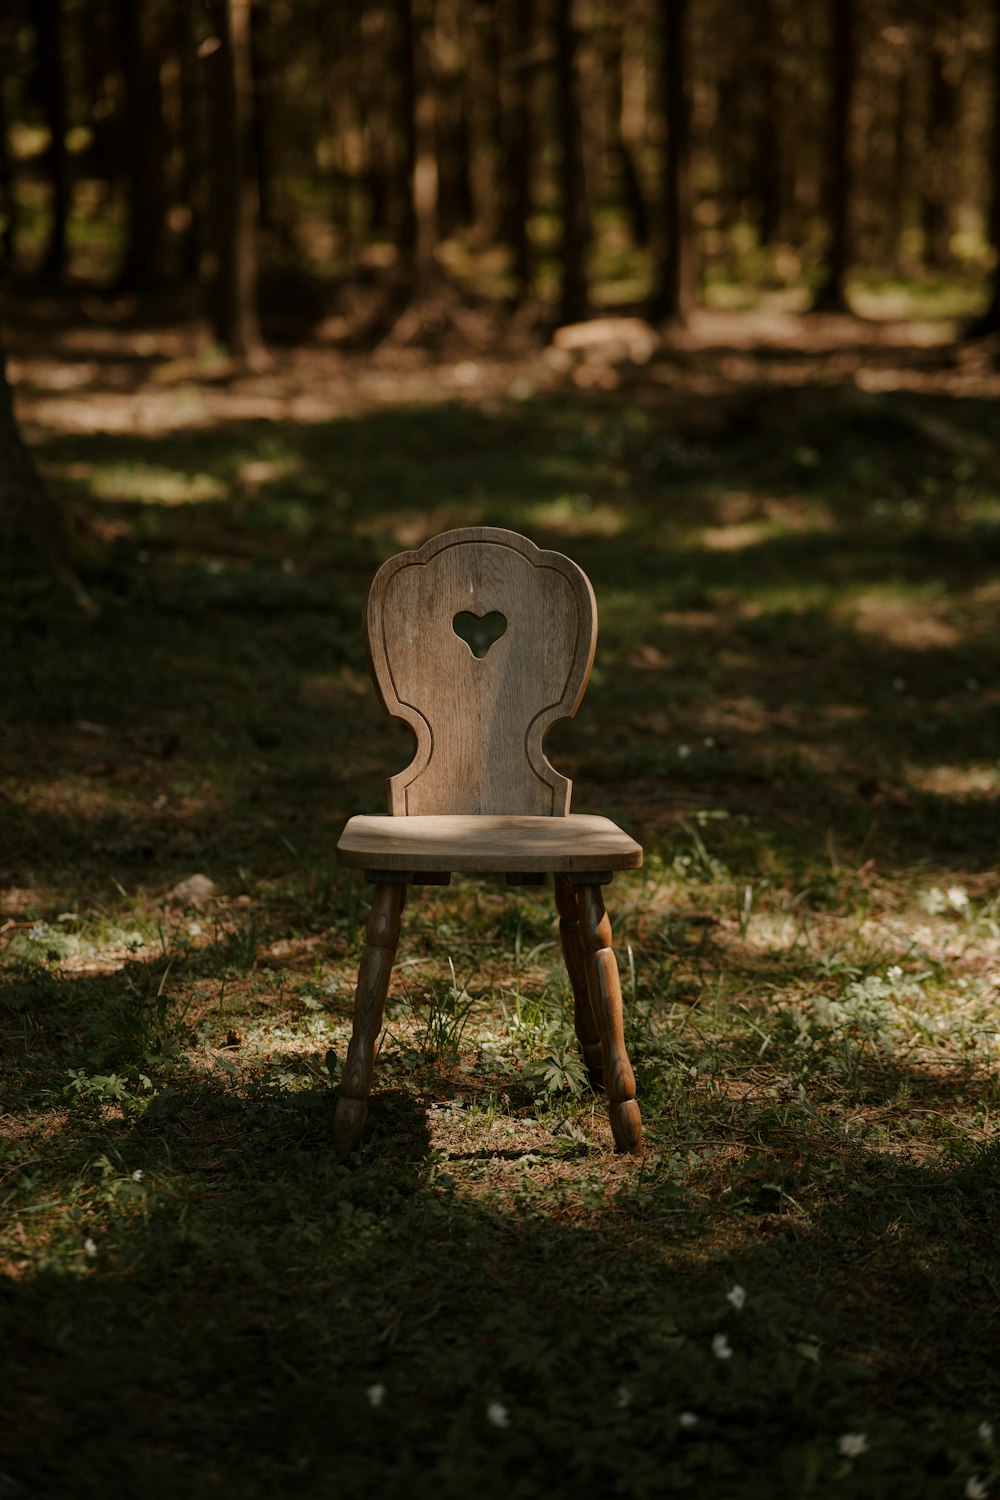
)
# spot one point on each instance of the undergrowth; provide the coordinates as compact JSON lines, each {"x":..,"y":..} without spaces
{"x":793,"y":1291}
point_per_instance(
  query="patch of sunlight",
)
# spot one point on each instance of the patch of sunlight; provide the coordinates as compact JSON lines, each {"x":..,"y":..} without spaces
{"x":149,"y":484}
{"x":68,"y":942}
{"x":325,"y":690}
{"x":578,"y":515}
{"x":773,"y":932}
{"x":933,"y":303}
{"x":956,"y":781}
{"x":910,"y":624}
{"x":981,"y":508}
{"x":27,"y":141}
{"x":735,"y":538}
{"x":414,"y":530}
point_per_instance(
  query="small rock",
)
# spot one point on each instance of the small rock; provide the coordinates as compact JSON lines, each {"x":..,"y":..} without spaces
{"x":609,"y":341}
{"x":194,"y":893}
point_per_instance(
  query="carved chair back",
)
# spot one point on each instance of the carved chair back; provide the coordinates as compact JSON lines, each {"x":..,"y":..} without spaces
{"x":480,"y":711}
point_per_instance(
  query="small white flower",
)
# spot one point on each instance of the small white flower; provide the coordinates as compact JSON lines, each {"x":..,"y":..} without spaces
{"x":975,"y":1489}
{"x":376,"y":1395}
{"x":497,"y":1414}
{"x":89,"y":1248}
{"x":985,"y":1434}
{"x":623,"y":1396}
{"x":687,"y":1420}
{"x":138,"y":1175}
{"x":683,"y":751}
{"x":737,"y":1296}
{"x":721,"y":1347}
{"x":195,"y":929}
{"x":958,"y":897}
{"x":852,"y":1444}
{"x":894,"y":973}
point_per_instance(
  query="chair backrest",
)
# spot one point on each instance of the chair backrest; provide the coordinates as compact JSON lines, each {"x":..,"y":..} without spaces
{"x":480,"y":720}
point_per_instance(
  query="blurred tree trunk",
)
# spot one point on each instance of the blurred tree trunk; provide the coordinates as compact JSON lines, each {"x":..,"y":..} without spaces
{"x":632,"y":122}
{"x":8,"y":192}
{"x":237,"y":213}
{"x":51,"y":75}
{"x":832,"y":293}
{"x":516,"y":76}
{"x":899,"y":195}
{"x":451,"y":118}
{"x":575,"y":229}
{"x":372,"y":122}
{"x":372,"y":119}
{"x":766,"y":137}
{"x":425,"y":185}
{"x":262,"y":84}
{"x":192,"y":135}
{"x":677,"y":285}
{"x":418,"y":233}
{"x":942,"y":113}
{"x":29,"y":521}
{"x":406,"y":72}
{"x":142,"y":49}
{"x":620,"y":144}
{"x":989,"y":322}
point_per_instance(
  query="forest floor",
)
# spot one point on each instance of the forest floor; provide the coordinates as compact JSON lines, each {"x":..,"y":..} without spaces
{"x":791,"y":526}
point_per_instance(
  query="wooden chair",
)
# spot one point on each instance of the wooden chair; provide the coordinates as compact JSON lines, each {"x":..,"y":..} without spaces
{"x":479,"y":793}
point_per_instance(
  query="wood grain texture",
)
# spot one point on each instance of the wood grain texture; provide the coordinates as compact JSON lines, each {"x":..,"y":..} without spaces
{"x":587,"y":1033}
{"x":479,"y":794}
{"x":605,"y":990}
{"x":578,"y":841}
{"x":382,"y":935}
{"x":480,"y":722}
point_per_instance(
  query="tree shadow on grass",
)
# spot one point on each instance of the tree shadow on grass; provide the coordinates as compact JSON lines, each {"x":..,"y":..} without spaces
{"x":248,"y":1315}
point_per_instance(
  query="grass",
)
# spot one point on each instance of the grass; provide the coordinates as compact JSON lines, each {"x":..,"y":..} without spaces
{"x":794,"y":708}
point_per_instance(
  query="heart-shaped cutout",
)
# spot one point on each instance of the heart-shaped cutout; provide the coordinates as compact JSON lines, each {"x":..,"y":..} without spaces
{"x":479,"y":632}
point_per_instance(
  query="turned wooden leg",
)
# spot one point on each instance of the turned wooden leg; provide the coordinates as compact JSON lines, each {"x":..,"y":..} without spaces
{"x":382,"y":935}
{"x":583,"y":1012}
{"x":606,"y":1000}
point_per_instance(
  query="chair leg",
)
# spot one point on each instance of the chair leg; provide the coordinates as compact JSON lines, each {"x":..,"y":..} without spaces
{"x":382,"y":934}
{"x":606,"y":1000}
{"x":583,"y":1012}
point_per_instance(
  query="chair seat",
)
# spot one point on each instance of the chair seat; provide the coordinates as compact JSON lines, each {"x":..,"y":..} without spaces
{"x":515,"y":845}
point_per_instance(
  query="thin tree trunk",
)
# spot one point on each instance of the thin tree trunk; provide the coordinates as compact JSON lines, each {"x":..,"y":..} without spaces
{"x":517,"y":79}
{"x":900,"y":187}
{"x":675,"y":294}
{"x":989,"y":322}
{"x":767,"y":145}
{"x":451,"y":120}
{"x":936,"y":197}
{"x":425,"y":185}
{"x":30,"y":523}
{"x":832,"y":294}
{"x":262,"y":84}
{"x":618,"y":143}
{"x":143,"y":268}
{"x":573,"y":304}
{"x":8,"y":192}
{"x":372,"y":119}
{"x":52,"y":89}
{"x":237,"y":222}
{"x":192,"y":142}
{"x":406,"y":70}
